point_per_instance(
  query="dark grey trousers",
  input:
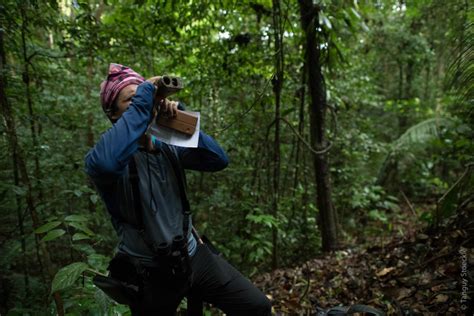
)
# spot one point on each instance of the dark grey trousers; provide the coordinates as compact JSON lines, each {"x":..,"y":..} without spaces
{"x":213,"y":281}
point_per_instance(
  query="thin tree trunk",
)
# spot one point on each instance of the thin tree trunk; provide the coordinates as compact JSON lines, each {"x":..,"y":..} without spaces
{"x":90,"y":75}
{"x":406,"y":98}
{"x":327,"y":219}
{"x":24,"y":265}
{"x":90,"y":119}
{"x":302,"y":94}
{"x":23,"y":173}
{"x":300,"y":124}
{"x":401,"y":116}
{"x":29,"y":100}
{"x":277,"y":87}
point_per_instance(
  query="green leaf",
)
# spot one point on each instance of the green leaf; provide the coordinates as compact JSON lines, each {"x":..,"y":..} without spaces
{"x":365,"y":27}
{"x":79,"y":236}
{"x":76,"y":218}
{"x":355,"y":13}
{"x":377,"y":215}
{"x":288,"y":111}
{"x":47,"y":227}
{"x":94,"y":198}
{"x":67,"y":276}
{"x":323,"y":19}
{"x":78,"y":193}
{"x":98,"y":261}
{"x":267,"y":220}
{"x":421,"y":133}
{"x":81,"y":227}
{"x":55,"y":233}
{"x":19,"y":190}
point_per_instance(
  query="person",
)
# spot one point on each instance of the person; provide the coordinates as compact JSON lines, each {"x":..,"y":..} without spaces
{"x":128,"y":101}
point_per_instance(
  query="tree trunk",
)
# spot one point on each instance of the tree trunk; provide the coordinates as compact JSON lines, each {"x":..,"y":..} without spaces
{"x":327,"y":219}
{"x":277,"y":87}
{"x":90,"y":119}
{"x":90,"y":75}
{"x":29,"y":99}
{"x":25,"y":179}
{"x":297,"y":141}
{"x":302,"y":94}
{"x":24,"y":265}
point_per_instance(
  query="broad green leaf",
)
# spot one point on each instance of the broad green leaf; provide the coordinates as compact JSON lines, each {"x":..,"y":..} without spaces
{"x":267,"y":220}
{"x":323,"y":19}
{"x":365,"y":27}
{"x":94,"y":198}
{"x":53,"y":234}
{"x":422,"y":132}
{"x":356,"y":5}
{"x":287,"y":111}
{"x":78,"y":193}
{"x":47,"y":227}
{"x":82,"y":227}
{"x":67,"y":276}
{"x":97,"y":261}
{"x":378,"y":215}
{"x":355,"y":13}
{"x":79,"y":236}
{"x":327,"y":22}
{"x":76,"y":218}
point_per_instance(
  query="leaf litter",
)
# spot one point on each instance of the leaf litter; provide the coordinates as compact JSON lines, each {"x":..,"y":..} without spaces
{"x":418,"y":274}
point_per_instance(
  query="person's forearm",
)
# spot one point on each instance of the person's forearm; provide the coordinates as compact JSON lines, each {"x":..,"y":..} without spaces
{"x":209,"y":156}
{"x":116,"y":146}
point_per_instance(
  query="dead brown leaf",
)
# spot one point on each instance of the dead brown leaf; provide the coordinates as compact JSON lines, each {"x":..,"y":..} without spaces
{"x":384,"y":271}
{"x":440,"y":298}
{"x":404,"y":293}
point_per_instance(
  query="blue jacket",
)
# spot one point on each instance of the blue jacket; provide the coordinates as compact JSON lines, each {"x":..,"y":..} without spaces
{"x":107,"y":165}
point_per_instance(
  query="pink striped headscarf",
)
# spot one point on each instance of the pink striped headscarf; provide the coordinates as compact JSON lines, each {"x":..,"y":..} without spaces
{"x":118,"y":78}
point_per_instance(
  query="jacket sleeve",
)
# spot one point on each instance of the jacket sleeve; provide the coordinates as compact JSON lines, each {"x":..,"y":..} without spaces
{"x":111,"y":154}
{"x":208,"y":156}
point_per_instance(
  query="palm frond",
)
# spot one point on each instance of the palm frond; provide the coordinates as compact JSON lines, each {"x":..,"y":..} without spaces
{"x":420,"y":134}
{"x":460,"y":75}
{"x":416,"y":138}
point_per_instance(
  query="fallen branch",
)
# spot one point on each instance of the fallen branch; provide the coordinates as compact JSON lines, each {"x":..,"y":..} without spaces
{"x":408,"y":202}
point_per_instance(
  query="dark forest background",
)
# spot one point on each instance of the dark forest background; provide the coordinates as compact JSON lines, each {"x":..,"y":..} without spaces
{"x":346,"y":123}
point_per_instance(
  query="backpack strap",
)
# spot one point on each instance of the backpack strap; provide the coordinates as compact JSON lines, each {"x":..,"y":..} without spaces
{"x":137,"y":204}
{"x":181,"y":178}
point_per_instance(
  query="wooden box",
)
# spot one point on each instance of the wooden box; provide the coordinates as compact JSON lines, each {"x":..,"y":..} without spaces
{"x":184,"y":122}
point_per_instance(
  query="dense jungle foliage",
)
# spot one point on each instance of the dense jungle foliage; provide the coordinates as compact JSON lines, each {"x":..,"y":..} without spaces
{"x":395,"y":96}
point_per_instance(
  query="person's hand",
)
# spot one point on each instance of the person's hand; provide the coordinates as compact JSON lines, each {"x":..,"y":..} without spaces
{"x":168,"y":108}
{"x":154,"y":80}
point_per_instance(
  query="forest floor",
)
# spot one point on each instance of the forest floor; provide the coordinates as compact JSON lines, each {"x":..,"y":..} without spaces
{"x":419,"y":273}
